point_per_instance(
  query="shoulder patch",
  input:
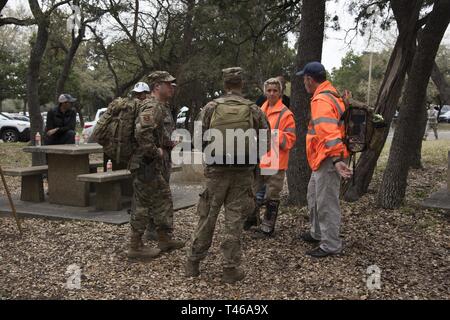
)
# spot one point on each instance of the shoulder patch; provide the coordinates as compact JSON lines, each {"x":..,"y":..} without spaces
{"x":146,"y":119}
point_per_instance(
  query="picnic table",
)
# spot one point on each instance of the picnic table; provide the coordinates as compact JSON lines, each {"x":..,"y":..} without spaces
{"x":65,"y":163}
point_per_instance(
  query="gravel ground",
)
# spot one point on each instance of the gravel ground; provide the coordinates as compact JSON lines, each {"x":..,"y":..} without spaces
{"x":410,"y":246}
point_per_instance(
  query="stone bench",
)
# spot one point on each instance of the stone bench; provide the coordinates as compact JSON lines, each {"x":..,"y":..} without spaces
{"x":176,"y":168}
{"x":94,"y":165}
{"x":32,"y":188}
{"x":108,"y":186}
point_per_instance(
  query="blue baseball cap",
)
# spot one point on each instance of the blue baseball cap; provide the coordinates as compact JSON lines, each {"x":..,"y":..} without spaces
{"x":312,"y":69}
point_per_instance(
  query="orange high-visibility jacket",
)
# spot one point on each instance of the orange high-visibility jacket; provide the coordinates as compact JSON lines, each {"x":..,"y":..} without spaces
{"x":281,"y":118}
{"x":325,"y":132}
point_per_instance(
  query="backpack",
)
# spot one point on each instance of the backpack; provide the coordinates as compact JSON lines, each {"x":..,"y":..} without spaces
{"x":233,"y":114}
{"x":364,"y":129}
{"x":115,"y":130}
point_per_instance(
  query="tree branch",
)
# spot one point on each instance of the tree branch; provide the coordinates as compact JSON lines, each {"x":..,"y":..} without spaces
{"x":17,"y":22}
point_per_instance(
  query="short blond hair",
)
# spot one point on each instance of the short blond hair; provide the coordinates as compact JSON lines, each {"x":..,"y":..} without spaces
{"x":273,"y":81}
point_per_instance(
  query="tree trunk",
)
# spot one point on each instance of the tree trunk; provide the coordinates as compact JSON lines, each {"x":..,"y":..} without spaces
{"x":406,"y":13}
{"x":2,"y":4}
{"x":310,"y":44}
{"x":441,"y":84}
{"x":34,"y":66}
{"x":1,"y":105}
{"x":416,"y":157}
{"x":25,"y":107}
{"x":76,"y":41}
{"x":412,"y":112}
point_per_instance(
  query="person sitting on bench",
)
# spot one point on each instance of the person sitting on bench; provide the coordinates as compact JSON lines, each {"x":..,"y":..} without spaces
{"x":61,"y":122}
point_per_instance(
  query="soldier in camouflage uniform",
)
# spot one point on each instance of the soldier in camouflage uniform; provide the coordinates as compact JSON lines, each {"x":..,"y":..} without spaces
{"x":432,"y":124}
{"x":167,"y":146}
{"x":152,"y":195}
{"x":228,"y":185}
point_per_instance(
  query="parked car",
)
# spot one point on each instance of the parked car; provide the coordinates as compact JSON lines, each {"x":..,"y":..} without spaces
{"x":12,"y":130}
{"x":444,"y":117}
{"x":20,"y":117}
{"x":88,"y":128}
{"x":445,"y":108}
{"x":182,"y":116}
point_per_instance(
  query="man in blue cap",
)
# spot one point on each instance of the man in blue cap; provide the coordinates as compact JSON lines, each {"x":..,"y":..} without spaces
{"x":61,"y":122}
{"x":326,"y":153}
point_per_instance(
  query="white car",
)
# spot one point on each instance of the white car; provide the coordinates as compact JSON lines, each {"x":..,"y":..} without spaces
{"x":181,"y":117}
{"x":444,"y":117}
{"x":12,"y":130}
{"x":89,"y":126}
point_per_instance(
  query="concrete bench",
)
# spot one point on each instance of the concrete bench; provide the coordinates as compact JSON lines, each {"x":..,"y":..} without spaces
{"x":94,"y":165}
{"x":32,"y":188}
{"x":108,"y":186}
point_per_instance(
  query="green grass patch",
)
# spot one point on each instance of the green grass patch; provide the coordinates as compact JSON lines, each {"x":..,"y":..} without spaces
{"x":11,"y":155}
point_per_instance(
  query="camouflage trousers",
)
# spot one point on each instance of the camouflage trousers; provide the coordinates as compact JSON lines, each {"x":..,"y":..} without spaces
{"x":431,"y":126}
{"x":274,"y":184}
{"x":231,"y":187}
{"x":166,"y":169}
{"x":152,"y":201}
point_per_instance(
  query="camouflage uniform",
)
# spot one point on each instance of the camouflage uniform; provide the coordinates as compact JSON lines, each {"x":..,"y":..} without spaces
{"x":226,"y":185}
{"x":168,"y":128}
{"x":432,"y":124}
{"x":152,"y":195}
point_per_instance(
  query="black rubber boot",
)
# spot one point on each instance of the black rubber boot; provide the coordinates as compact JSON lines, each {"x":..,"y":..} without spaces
{"x":270,"y":218}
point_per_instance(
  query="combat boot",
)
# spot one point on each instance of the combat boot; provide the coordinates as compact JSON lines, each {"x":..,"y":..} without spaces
{"x":232,"y":275}
{"x":192,"y":269}
{"x":137,"y":250}
{"x":166,"y":243}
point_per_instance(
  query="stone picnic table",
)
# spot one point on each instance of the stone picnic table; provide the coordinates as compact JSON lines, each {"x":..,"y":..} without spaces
{"x":65,"y":163}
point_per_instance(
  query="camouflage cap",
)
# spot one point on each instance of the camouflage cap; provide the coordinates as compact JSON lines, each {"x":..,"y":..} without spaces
{"x":160,"y":76}
{"x":232,"y":75}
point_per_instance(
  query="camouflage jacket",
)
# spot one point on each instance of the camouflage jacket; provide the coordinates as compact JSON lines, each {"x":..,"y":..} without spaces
{"x":260,"y":121}
{"x":169,"y":127}
{"x":149,"y":132}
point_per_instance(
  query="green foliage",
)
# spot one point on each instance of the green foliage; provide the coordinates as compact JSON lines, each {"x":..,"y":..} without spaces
{"x":13,"y":64}
{"x":353,"y":74}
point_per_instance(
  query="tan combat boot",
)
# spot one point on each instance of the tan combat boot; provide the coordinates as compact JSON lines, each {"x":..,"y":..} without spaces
{"x":192,"y":269}
{"x":137,"y":250}
{"x":166,"y":243}
{"x":232,"y":275}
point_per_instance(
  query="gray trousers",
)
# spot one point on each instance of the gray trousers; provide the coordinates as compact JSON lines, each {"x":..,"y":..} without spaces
{"x":323,"y":205}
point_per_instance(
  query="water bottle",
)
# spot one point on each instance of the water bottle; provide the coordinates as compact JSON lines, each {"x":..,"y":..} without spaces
{"x":109,"y":166}
{"x":85,"y":138}
{"x":37,"y":139}
{"x":77,"y":139}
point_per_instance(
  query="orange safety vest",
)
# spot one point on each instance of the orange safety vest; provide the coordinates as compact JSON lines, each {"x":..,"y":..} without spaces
{"x":326,"y":131}
{"x":280,"y":118}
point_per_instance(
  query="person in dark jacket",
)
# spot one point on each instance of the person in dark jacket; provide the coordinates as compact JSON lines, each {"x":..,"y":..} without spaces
{"x":61,"y":122}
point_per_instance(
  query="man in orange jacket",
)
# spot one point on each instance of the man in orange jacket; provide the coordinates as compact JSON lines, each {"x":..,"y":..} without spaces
{"x":274,"y":164}
{"x":327,"y":154}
